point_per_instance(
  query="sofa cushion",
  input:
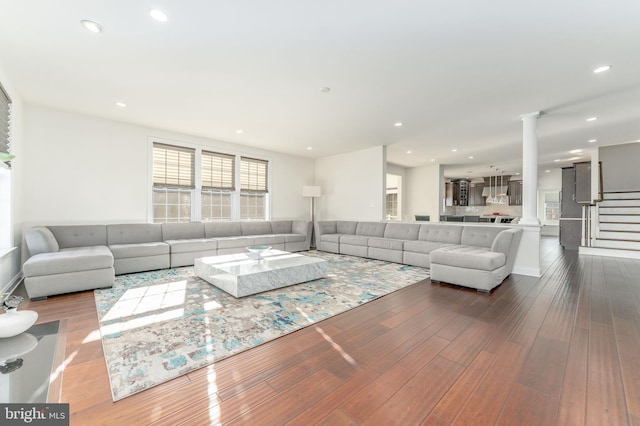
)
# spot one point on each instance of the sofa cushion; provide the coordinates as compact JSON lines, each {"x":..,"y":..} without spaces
{"x":440,"y":233}
{"x":281,"y":226}
{"x":371,"y":229}
{"x":331,"y":238}
{"x":182,"y":231}
{"x":234,"y":242}
{"x":40,"y":240}
{"x":354,"y":240}
{"x":402,"y":231}
{"x":124,"y":251}
{"x":192,"y":245}
{"x":469,"y":257}
{"x":255,"y":228}
{"x":424,"y":247}
{"x":386,"y":243}
{"x":134,"y":233}
{"x":68,"y":260}
{"x":480,"y":236}
{"x":222,"y":229}
{"x":80,"y":235}
{"x":294,"y":238}
{"x":346,"y":227}
{"x":268,"y":239}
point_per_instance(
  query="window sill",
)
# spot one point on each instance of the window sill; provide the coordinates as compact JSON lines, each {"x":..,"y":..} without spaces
{"x":6,"y":251}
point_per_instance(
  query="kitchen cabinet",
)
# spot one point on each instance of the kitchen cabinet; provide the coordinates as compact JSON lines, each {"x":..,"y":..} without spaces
{"x":475,"y":194}
{"x":463,"y":193}
{"x":515,"y":193}
{"x":448,"y":194}
{"x":456,"y":193}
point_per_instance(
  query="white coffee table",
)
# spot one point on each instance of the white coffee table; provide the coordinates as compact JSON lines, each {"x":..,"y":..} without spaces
{"x":244,"y":274}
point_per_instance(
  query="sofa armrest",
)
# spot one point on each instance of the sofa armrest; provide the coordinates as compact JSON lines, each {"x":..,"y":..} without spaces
{"x":40,"y":240}
{"x":507,"y":242}
{"x":325,"y":227}
{"x":303,"y":227}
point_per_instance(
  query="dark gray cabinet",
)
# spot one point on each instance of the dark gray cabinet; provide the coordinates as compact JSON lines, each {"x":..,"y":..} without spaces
{"x":515,"y":193}
{"x":475,"y":194}
{"x":448,"y":194}
{"x":570,"y":211}
{"x":583,"y":182}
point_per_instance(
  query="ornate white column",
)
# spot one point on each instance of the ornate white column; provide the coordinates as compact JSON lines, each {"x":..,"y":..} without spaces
{"x":529,"y":169}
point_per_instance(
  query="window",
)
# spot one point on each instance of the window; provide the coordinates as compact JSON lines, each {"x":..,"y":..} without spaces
{"x":392,"y":205}
{"x":218,"y":184}
{"x":253,"y":188}
{"x":173,"y":182}
{"x":193,"y":184}
{"x":6,"y":238}
{"x":552,"y":207}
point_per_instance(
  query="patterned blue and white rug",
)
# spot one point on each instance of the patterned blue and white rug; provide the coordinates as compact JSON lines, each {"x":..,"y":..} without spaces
{"x":158,"y":325}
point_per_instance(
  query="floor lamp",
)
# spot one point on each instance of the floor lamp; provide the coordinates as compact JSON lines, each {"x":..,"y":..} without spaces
{"x":312,"y":192}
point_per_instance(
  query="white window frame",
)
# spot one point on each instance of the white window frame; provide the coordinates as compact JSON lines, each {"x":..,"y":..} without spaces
{"x":196,"y":199}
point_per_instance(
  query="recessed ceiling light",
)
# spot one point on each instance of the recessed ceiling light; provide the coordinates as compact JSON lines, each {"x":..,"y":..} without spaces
{"x":595,"y":140}
{"x":409,"y":152}
{"x":602,"y":69}
{"x":121,"y":104}
{"x":517,"y":173}
{"x":398,"y":124}
{"x":547,"y":171}
{"x":94,"y":27}
{"x":470,"y":157}
{"x":239,"y":131}
{"x":432,"y":160}
{"x":454,"y":150}
{"x":309,"y":148}
{"x":575,"y":151}
{"x":158,"y":15}
{"x":592,"y":118}
{"x":556,"y":161}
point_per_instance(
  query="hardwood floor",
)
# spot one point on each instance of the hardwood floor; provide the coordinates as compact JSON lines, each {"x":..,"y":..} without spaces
{"x":561,"y":349}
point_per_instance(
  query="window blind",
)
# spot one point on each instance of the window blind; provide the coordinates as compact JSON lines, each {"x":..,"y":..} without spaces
{"x":254,"y":175}
{"x":5,"y":121}
{"x":218,"y":171}
{"x":173,"y":166}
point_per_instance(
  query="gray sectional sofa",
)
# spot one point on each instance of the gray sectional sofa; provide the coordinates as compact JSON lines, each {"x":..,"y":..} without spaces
{"x":65,"y":259}
{"x":475,"y":256}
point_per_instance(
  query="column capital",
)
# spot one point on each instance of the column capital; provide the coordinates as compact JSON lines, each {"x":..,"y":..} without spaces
{"x":534,"y":114}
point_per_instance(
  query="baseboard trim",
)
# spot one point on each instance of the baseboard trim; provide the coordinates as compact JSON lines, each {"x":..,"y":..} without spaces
{"x":530,"y":272}
{"x":13,"y":284}
{"x":602,"y":251}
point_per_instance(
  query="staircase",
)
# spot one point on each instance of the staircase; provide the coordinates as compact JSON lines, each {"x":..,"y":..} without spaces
{"x":616,"y":230}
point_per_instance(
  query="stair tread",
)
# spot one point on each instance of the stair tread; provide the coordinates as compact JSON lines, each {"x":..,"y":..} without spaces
{"x":613,"y":248}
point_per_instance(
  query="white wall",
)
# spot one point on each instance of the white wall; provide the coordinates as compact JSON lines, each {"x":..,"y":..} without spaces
{"x":423,"y":187}
{"x":353,"y":185}
{"x":620,"y":167}
{"x":551,"y":181}
{"x":82,"y":169}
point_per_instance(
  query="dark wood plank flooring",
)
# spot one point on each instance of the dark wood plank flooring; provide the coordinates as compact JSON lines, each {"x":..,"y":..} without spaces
{"x":560,"y":349}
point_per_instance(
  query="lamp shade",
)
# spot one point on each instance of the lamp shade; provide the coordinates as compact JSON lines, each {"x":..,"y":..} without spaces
{"x":311,"y":191}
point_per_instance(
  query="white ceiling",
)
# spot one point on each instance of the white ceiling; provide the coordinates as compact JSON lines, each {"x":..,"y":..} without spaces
{"x":456,"y":73}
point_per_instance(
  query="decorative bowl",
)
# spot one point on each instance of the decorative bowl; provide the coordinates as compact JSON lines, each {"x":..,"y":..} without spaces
{"x":15,"y":322}
{"x":258,"y":250}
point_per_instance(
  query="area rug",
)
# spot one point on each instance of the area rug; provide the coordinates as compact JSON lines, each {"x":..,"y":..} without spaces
{"x":158,"y":325}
